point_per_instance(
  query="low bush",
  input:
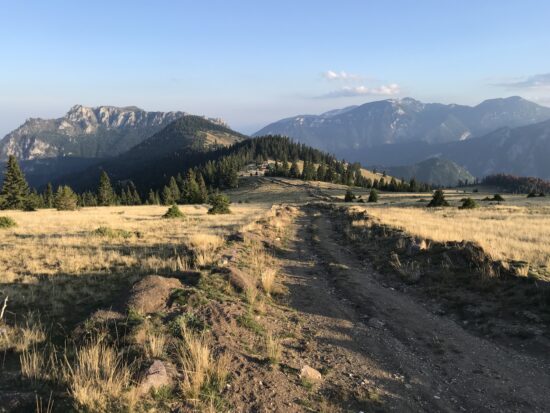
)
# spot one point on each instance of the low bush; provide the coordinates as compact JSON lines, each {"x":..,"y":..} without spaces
{"x":173,"y":213}
{"x":7,"y":222}
{"x":111,"y":232}
{"x":468,"y":203}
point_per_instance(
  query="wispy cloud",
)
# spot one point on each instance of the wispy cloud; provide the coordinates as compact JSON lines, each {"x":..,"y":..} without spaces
{"x":532,"y":82}
{"x":333,"y":75}
{"x":383,"y":90}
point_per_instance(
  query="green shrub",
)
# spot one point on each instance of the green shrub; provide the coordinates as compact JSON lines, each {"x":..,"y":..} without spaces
{"x":220,"y":204}
{"x":468,"y":203}
{"x":498,"y":198}
{"x":173,"y":213}
{"x":349,"y":197}
{"x":438,"y":199}
{"x":7,"y":222}
{"x":111,"y":232}
{"x":373,"y":196}
{"x":531,"y":194}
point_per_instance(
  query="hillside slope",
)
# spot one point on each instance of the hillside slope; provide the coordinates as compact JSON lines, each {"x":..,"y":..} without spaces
{"x":522,"y":151}
{"x":434,"y":171}
{"x":186,"y":142}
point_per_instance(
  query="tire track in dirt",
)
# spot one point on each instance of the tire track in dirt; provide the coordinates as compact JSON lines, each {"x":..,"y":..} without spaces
{"x":377,"y":342}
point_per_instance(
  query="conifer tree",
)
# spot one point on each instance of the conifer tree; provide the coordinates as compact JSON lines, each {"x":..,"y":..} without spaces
{"x":65,"y":199}
{"x":105,"y":193}
{"x":321,"y":172}
{"x":438,"y":199}
{"x":373,"y":196}
{"x":48,"y":196}
{"x":15,"y":190}
{"x":191,"y":190}
{"x":294,"y":170}
{"x":203,"y":191}
{"x":152,"y":198}
{"x":167,"y":196}
{"x":174,"y":189}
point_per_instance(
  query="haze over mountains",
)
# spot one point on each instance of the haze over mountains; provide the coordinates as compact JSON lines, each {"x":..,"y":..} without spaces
{"x":404,"y":136}
{"x":405,"y":131}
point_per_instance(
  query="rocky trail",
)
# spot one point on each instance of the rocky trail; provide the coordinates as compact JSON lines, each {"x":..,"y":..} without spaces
{"x":382,"y":350}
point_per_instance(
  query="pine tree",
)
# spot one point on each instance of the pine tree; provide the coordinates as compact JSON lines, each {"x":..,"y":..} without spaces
{"x":174,"y":189}
{"x":203,"y":192}
{"x":191,"y":189}
{"x":321,"y":172}
{"x":373,"y":196}
{"x":15,"y":190}
{"x":167,"y":196}
{"x":48,"y":196}
{"x":294,"y":170}
{"x":105,"y":193}
{"x":152,"y":198}
{"x":438,"y":199}
{"x":65,"y":199}
{"x":349,"y":197}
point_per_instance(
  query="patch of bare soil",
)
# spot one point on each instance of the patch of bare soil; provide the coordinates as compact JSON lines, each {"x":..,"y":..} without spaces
{"x":151,"y":294}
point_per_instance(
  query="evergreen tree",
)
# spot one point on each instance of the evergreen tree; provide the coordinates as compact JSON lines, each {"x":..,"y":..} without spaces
{"x":438,"y":199}
{"x":349,"y":197}
{"x":413,"y":186}
{"x":220,"y":204}
{"x":48,"y":196}
{"x":309,"y":173}
{"x":15,"y":190}
{"x":294,"y":170}
{"x":203,"y":192}
{"x":174,"y":189}
{"x":321,"y":172}
{"x":33,"y":201}
{"x":105,"y":193}
{"x":65,"y":199}
{"x":373,"y":196}
{"x":152,"y":198}
{"x":191,"y":189}
{"x":168,"y":196}
{"x":285,"y":169}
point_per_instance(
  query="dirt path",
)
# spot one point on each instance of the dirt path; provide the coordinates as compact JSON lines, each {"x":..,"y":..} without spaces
{"x":382,"y":350}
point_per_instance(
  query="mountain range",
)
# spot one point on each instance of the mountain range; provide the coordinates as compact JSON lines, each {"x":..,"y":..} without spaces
{"x":435,"y":171}
{"x":398,"y":132}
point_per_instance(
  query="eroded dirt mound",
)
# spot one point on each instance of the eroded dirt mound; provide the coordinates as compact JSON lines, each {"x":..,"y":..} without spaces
{"x":152,"y":293}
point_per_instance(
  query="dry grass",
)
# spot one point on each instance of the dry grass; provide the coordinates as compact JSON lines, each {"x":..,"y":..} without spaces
{"x":272,"y":348}
{"x":99,"y":379}
{"x":201,"y":371}
{"x":155,"y":345}
{"x":21,"y":338}
{"x":205,"y":247}
{"x":505,"y":232}
{"x":267,"y":277}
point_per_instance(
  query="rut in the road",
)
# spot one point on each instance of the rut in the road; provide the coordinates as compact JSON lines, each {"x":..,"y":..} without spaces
{"x":381,"y":343}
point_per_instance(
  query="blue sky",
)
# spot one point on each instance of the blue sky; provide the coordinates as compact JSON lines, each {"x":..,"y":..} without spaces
{"x":253,"y":62}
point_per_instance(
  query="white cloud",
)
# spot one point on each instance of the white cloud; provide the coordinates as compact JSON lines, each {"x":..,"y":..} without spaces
{"x":540,"y":81}
{"x":347,"y":91}
{"x":333,"y":75}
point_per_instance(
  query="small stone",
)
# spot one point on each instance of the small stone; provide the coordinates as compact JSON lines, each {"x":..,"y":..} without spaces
{"x":155,"y":377}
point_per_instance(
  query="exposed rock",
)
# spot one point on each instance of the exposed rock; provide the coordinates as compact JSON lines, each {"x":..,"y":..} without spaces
{"x":310,"y":374}
{"x":155,"y":377}
{"x":151,"y":294}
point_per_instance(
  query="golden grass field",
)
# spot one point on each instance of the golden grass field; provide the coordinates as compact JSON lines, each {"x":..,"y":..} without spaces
{"x":49,"y":242}
{"x":505,"y":232}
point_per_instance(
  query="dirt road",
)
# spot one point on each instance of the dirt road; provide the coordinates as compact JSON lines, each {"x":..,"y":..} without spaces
{"x":383,"y":351}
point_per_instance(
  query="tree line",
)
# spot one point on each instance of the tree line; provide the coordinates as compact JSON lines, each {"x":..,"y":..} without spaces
{"x":198,"y":183}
